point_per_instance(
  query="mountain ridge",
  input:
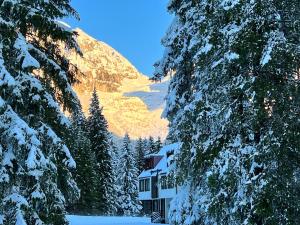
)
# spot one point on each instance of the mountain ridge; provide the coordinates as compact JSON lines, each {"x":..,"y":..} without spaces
{"x":131,"y":102}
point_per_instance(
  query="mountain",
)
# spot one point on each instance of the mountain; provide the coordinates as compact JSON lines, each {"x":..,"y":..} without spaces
{"x":131,"y":102}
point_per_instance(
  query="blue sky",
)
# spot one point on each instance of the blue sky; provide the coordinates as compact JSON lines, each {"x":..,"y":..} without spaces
{"x":132,"y":27}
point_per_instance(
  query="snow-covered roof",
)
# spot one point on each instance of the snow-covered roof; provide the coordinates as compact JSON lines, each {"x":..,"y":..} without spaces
{"x":151,"y":155}
{"x":165,"y":149}
{"x":170,"y":147}
{"x":162,"y":166}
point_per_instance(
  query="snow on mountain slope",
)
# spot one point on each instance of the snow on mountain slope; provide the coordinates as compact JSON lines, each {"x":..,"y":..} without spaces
{"x":131,"y":102}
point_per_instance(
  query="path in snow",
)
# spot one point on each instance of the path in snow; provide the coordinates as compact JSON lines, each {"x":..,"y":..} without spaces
{"x":101,"y":220}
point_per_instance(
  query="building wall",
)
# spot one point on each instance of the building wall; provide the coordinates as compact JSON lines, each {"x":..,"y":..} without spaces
{"x":162,"y":193}
{"x":167,"y":193}
{"x":145,"y":195}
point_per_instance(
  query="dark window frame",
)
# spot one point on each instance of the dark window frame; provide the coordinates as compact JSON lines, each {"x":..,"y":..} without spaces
{"x":163,"y":182}
{"x":166,"y":182}
{"x":144,"y":185}
{"x":147,"y":184}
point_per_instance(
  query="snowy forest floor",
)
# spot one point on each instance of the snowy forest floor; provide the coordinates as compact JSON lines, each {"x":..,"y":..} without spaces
{"x":101,"y":220}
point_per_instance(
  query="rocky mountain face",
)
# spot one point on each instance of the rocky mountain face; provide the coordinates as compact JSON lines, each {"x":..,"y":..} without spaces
{"x":131,"y":103}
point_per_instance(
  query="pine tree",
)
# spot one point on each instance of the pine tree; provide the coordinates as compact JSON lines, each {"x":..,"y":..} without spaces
{"x":151,"y":145}
{"x":115,"y":195}
{"x":99,"y":137}
{"x":129,"y":180}
{"x":140,"y":154}
{"x":85,"y":173}
{"x":145,"y":146}
{"x":35,"y":84}
{"x":233,"y":104}
{"x":158,"y":144}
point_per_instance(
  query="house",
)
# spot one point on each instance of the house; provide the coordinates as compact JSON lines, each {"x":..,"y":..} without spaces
{"x":157,"y":184}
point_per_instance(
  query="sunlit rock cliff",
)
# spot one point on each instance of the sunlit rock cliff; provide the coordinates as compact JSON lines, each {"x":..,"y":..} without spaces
{"x":130,"y":101}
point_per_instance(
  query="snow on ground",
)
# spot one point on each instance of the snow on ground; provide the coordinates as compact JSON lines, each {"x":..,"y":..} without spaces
{"x":102,"y":220}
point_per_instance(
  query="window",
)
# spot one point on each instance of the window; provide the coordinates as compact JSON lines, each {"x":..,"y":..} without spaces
{"x":147,"y":185}
{"x":170,"y":182}
{"x":163,"y":182}
{"x":166,"y":182}
{"x":141,"y":185}
{"x":144,"y":185}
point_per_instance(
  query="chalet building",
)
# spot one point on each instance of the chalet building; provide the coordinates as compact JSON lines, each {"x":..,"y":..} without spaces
{"x":156,"y":184}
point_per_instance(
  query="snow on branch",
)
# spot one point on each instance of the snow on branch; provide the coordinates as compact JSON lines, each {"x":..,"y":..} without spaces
{"x":61,"y":73}
{"x":28,"y":60}
{"x":275,"y":38}
{"x":5,"y":77}
{"x":58,"y":143}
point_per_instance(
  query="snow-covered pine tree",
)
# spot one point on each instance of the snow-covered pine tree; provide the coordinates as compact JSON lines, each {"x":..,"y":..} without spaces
{"x":35,"y":82}
{"x":99,"y":137}
{"x":85,"y":174}
{"x":140,"y":154}
{"x":158,"y":144}
{"x":233,"y":104}
{"x":116,"y":171}
{"x":151,"y":145}
{"x":145,"y":146}
{"x":129,"y":180}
